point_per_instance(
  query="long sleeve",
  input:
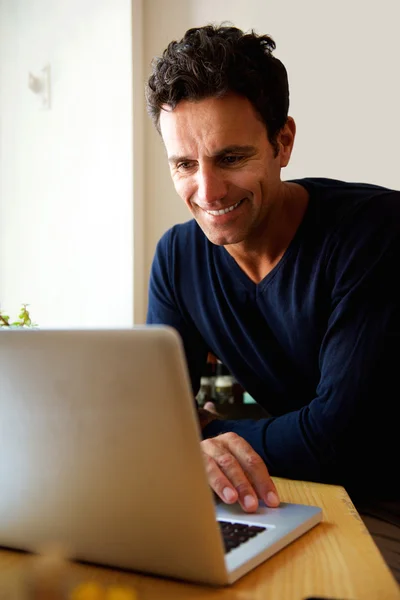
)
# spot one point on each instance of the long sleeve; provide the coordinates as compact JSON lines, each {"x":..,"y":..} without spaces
{"x":163,"y":309}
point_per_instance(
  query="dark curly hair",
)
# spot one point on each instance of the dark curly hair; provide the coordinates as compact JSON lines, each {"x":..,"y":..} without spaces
{"x":213,"y":60}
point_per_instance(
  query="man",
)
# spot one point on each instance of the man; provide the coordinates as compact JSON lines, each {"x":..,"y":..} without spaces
{"x":291,"y":284}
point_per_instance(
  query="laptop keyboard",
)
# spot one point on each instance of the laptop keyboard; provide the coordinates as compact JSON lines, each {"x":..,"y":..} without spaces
{"x":235,"y":534}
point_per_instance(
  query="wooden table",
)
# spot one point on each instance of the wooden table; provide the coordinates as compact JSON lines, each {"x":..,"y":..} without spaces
{"x":337,"y":559}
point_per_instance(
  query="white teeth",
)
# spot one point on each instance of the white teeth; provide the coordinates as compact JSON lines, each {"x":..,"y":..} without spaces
{"x":224,"y":210}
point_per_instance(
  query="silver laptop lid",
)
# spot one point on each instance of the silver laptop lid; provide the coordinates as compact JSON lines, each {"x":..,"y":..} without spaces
{"x":100,"y":451}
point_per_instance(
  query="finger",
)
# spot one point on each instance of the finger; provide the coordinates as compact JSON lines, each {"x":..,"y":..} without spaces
{"x":229,"y":470}
{"x":254,"y":468}
{"x":219,"y":482}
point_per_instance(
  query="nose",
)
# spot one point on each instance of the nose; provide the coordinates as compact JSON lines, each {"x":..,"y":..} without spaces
{"x":211,"y":186}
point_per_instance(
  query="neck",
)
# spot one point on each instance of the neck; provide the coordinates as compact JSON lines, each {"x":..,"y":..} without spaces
{"x":260,"y":254}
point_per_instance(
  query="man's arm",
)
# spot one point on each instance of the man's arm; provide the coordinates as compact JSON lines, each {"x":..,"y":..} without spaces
{"x":163,"y":310}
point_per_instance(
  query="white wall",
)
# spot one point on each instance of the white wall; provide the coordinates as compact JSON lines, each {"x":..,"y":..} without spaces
{"x":66,"y":184}
{"x":343,"y":63}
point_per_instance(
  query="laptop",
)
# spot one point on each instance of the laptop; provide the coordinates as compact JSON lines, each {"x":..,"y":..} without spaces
{"x":100,"y":455}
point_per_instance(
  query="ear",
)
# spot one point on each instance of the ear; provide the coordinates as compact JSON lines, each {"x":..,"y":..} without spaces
{"x":285,"y":141}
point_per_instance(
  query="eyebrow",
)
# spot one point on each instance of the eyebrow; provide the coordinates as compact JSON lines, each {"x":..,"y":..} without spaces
{"x":247,"y":150}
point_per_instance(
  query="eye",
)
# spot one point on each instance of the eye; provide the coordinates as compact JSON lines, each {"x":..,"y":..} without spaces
{"x":185,"y":165}
{"x":231,"y":159}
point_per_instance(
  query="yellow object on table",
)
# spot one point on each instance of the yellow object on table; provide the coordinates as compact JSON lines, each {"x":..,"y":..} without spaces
{"x":94,"y":591}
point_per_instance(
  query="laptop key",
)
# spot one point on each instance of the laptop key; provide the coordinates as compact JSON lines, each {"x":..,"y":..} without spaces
{"x":256,"y":528}
{"x":235,"y":534}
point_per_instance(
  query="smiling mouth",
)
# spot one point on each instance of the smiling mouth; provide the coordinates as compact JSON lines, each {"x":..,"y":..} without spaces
{"x":224,"y":211}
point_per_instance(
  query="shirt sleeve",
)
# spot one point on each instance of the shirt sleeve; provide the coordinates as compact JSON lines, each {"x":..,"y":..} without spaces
{"x":164,"y":309}
{"x":349,"y":430}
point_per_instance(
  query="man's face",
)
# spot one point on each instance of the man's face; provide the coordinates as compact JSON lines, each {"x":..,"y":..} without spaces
{"x":223,"y":165}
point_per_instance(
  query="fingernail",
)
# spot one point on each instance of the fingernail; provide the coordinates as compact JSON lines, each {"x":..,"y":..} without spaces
{"x":272,"y":499}
{"x":228,"y":494}
{"x":249,"y":501}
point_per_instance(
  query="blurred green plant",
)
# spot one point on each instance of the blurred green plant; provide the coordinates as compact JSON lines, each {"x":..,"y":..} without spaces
{"x":24,"y":319}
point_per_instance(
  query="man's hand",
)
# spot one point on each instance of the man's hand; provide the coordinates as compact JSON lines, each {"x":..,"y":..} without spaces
{"x":237,"y":473}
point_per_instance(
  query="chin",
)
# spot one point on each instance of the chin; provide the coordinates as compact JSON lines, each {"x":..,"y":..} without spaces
{"x":222,"y":240}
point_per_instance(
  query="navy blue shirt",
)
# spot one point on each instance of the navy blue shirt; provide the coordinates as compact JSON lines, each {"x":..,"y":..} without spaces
{"x":316,"y":342}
